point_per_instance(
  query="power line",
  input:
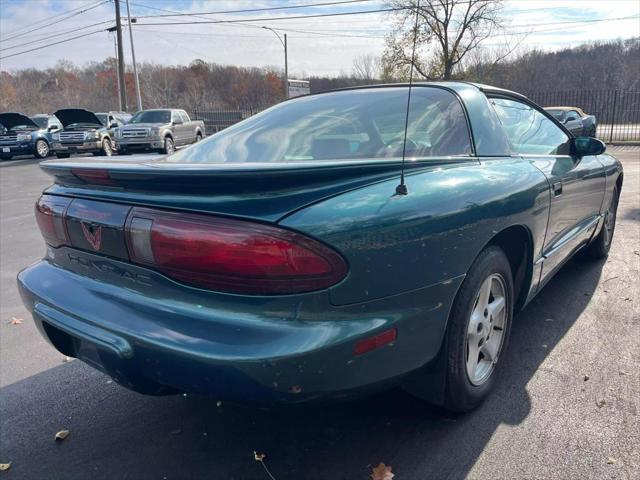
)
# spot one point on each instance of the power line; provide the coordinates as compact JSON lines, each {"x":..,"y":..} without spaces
{"x":53,"y":35}
{"x":51,"y":44}
{"x":49,"y":23}
{"x":247,"y":10}
{"x":291,"y":17}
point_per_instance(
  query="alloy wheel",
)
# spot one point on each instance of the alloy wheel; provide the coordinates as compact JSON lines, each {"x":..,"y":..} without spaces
{"x":42,"y":148}
{"x":486,"y":328}
{"x":106,"y":147}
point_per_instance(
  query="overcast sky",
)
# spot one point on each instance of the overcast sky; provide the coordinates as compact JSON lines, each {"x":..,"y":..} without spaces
{"x":317,"y":46}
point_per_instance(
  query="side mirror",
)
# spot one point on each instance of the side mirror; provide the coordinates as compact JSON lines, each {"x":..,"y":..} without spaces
{"x":52,"y":128}
{"x":113,"y":125}
{"x":583,"y":146}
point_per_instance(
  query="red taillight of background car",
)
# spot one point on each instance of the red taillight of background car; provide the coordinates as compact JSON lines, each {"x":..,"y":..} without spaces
{"x":50,"y":212}
{"x":230,"y":255}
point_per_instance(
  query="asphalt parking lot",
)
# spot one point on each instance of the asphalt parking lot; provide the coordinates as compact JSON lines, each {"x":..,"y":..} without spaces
{"x":566,"y":405}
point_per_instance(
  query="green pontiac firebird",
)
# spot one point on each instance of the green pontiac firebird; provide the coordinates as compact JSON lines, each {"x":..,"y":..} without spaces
{"x":277,"y":261}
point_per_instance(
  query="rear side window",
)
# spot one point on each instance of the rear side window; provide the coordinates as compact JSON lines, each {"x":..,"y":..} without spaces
{"x":184,"y":116}
{"x":530,"y":132}
{"x":351,"y":124}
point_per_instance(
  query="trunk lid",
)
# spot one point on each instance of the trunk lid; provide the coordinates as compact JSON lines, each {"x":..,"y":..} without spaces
{"x":265,"y":191}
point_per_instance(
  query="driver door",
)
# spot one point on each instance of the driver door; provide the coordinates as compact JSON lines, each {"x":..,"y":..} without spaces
{"x":577,"y":185}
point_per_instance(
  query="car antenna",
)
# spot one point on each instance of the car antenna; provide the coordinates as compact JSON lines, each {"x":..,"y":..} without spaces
{"x":401,"y":189}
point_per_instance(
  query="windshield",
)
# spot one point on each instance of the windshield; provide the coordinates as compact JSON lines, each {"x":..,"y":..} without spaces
{"x":103,"y":118}
{"x":350,"y":124}
{"x":23,"y":127}
{"x":152,"y":116}
{"x":557,"y":114}
{"x":40,"y":121}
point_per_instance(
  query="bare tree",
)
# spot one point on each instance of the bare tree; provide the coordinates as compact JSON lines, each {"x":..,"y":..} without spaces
{"x":447,"y":31}
{"x":366,"y":67}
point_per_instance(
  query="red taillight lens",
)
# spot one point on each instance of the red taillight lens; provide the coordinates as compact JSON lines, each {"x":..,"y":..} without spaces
{"x":231,"y":255}
{"x":50,"y":217}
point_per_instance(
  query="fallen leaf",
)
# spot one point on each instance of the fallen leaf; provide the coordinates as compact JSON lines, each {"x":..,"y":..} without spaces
{"x":601,"y":403}
{"x":611,"y":460}
{"x":62,"y":434}
{"x":585,"y":378}
{"x":66,"y":359}
{"x":259,"y":457}
{"x":382,"y":472}
{"x":5,"y":466}
{"x":218,"y":404}
{"x":15,"y":321}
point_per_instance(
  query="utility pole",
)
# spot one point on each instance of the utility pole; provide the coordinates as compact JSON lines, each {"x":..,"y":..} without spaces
{"x":286,"y":69}
{"x":123,"y":92}
{"x":115,"y":48}
{"x":133,"y":55}
{"x":286,"y":66}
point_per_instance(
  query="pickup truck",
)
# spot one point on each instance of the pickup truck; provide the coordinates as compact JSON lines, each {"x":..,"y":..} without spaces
{"x":82,"y":133}
{"x":19,"y":135}
{"x":162,"y":130}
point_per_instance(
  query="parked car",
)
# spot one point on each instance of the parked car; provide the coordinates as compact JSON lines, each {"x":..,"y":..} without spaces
{"x":162,"y":130}
{"x":82,"y":133}
{"x":109,"y":118}
{"x":47,"y":122}
{"x":575,"y":120}
{"x":297,"y":256}
{"x":19,"y":135}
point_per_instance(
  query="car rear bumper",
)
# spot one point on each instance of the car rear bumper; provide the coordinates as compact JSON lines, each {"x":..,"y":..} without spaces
{"x":262,"y":350}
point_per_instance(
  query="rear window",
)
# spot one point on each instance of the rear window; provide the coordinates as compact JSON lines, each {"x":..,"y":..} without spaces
{"x":352,"y":124}
{"x":152,"y":116}
{"x":40,"y":121}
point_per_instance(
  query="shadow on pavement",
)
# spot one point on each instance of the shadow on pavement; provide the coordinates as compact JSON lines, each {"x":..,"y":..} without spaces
{"x":119,"y":434}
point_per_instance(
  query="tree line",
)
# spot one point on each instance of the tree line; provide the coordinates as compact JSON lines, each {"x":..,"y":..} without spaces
{"x":209,"y":86}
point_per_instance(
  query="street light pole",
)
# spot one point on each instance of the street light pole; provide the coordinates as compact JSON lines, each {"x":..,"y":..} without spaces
{"x":133,"y":55}
{"x":286,"y":66}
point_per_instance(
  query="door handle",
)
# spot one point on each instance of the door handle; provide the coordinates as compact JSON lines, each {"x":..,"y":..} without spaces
{"x":557,"y":188}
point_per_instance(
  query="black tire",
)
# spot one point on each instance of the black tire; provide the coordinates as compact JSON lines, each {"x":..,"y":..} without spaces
{"x":461,"y":394}
{"x":169,"y":146}
{"x":198,"y":137}
{"x":41,"y":149}
{"x":107,"y":147}
{"x":600,"y":246}
{"x":63,"y":155}
{"x":592,"y":132}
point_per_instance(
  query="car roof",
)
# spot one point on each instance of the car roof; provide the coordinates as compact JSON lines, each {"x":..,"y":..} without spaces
{"x":443,"y":83}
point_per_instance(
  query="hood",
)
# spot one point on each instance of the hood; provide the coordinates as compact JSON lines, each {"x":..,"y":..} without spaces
{"x":76,"y":115}
{"x":10,"y":120}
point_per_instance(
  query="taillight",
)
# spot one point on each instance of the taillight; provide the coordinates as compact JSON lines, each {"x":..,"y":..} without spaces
{"x":50,"y":217}
{"x":229,"y":255}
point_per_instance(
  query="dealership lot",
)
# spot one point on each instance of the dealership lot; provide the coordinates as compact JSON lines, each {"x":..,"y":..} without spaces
{"x":566,"y":404}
